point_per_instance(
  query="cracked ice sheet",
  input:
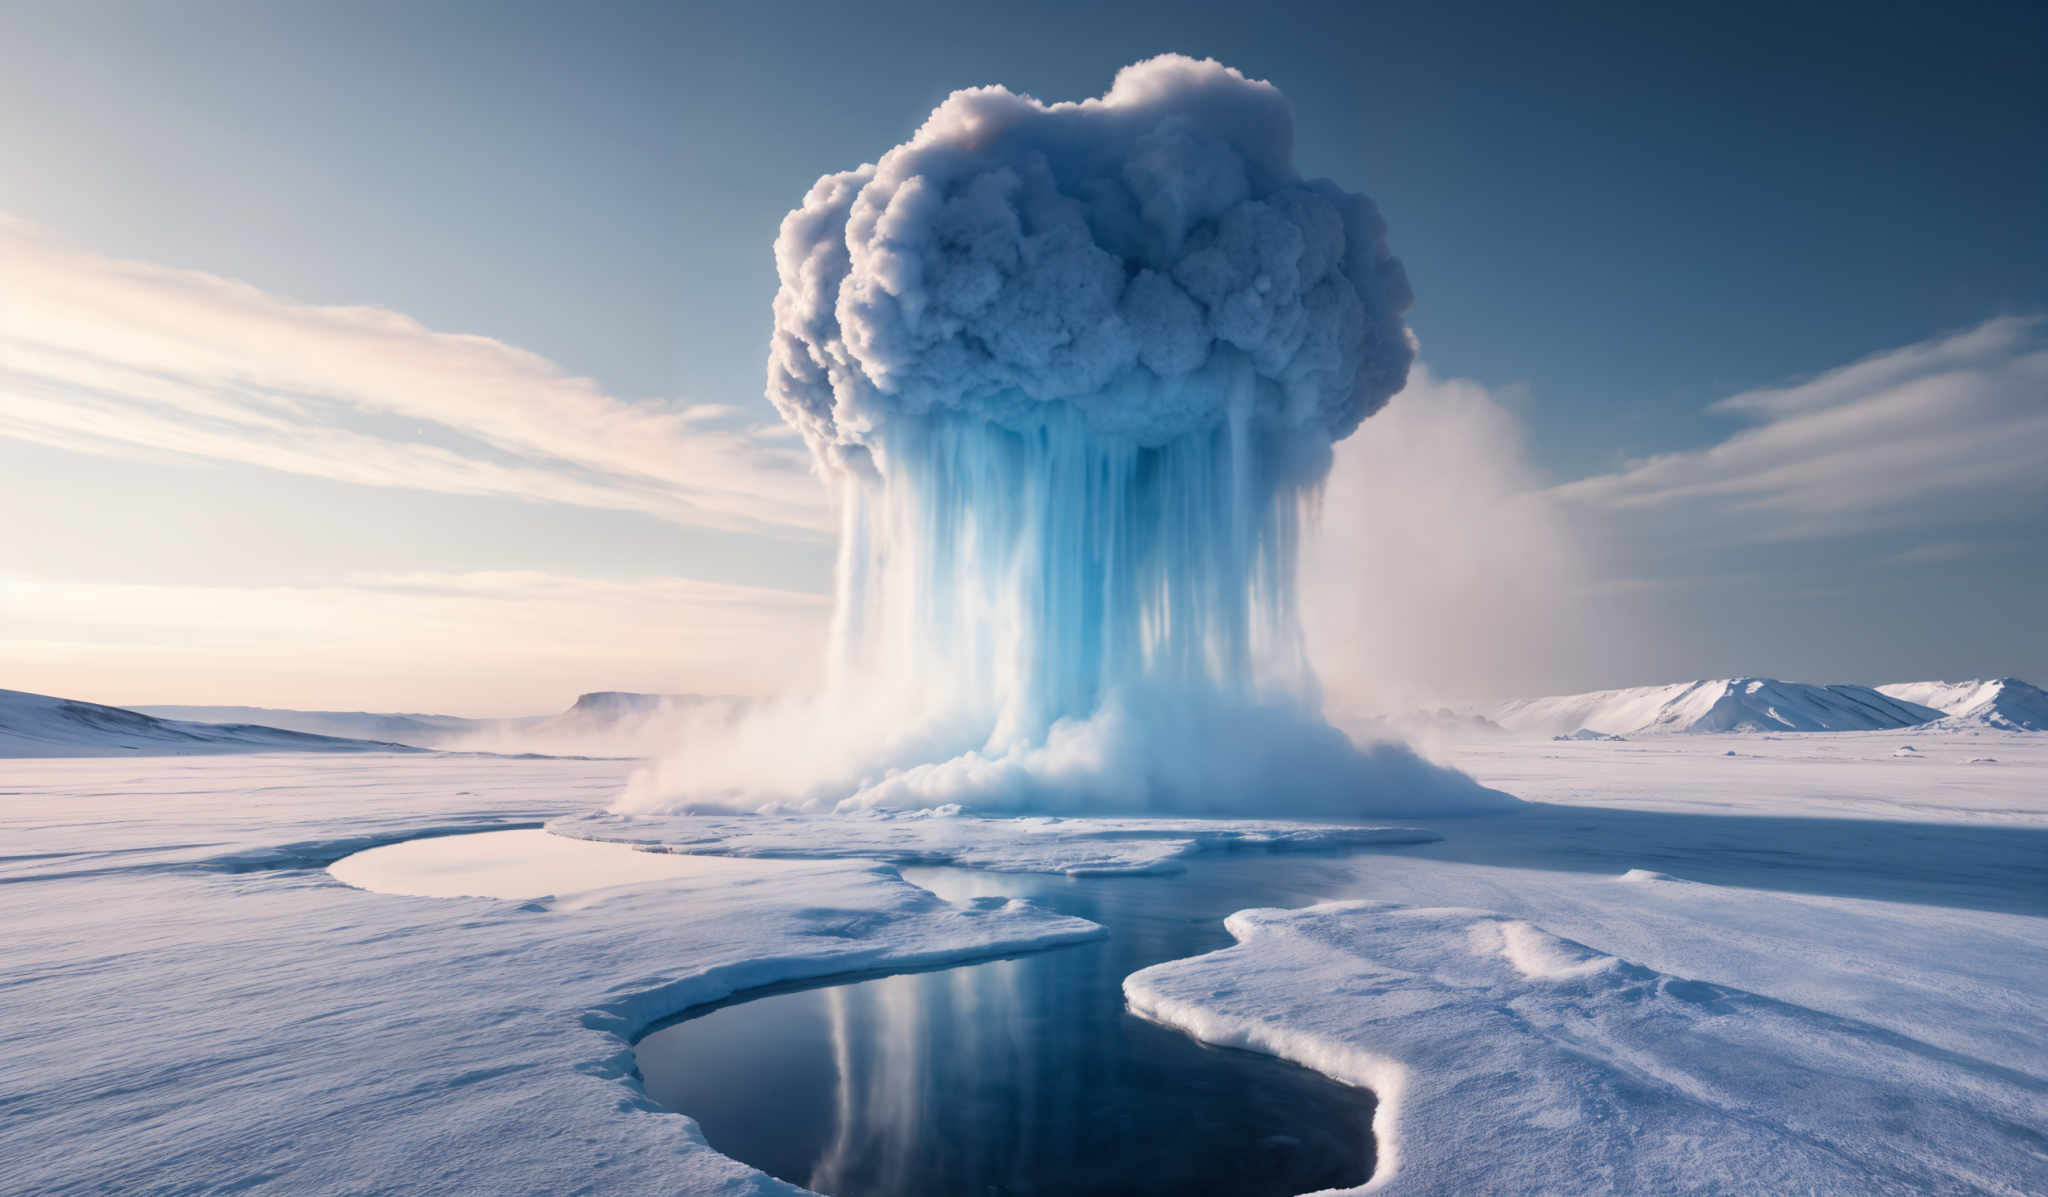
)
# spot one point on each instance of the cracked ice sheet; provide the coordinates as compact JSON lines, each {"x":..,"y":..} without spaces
{"x":189,"y":1003}
{"x":149,"y":986}
{"x":1077,"y":847}
{"x":1738,"y":1041}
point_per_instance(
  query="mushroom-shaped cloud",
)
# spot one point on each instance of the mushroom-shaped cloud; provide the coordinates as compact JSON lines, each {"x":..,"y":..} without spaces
{"x":1149,"y":258}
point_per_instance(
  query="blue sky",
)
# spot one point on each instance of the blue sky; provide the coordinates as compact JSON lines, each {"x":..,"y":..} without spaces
{"x":1622,"y":226}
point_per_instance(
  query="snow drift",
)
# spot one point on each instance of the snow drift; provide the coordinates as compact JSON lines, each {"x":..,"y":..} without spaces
{"x":1511,"y":1059}
{"x":1075,"y":370}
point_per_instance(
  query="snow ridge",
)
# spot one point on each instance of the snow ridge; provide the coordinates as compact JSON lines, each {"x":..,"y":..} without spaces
{"x":1724,"y":705}
{"x":1999,"y":704}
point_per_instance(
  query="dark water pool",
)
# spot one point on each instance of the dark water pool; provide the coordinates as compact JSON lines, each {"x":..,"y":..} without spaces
{"x":1027,"y":1075}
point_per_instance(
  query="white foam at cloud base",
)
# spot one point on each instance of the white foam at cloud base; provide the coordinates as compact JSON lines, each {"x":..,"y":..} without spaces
{"x":1148,"y":751}
{"x":1510,"y":1060}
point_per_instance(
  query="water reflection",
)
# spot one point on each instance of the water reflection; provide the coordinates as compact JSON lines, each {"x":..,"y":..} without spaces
{"x":1022,"y":1076}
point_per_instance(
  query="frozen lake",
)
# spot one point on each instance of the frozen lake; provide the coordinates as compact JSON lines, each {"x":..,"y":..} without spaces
{"x":1815,"y":965}
{"x":1024,"y":1075}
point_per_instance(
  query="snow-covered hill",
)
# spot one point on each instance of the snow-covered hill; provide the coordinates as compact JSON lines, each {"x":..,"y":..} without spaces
{"x":37,"y":725}
{"x":600,"y":723}
{"x":1728,"y":704}
{"x":420,"y":731}
{"x":1999,"y":704}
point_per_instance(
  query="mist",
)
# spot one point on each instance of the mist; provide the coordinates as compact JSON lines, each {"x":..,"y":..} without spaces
{"x":1440,"y":567}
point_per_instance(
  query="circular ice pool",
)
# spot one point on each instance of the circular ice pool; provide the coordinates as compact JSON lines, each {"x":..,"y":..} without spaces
{"x":1025,"y":1075}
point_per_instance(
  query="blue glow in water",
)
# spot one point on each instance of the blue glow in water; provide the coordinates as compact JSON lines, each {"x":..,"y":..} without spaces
{"x":1024,"y":1075}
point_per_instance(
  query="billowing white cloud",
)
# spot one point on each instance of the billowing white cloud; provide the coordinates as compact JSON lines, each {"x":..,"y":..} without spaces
{"x":1952,"y":431}
{"x":1151,"y":259}
{"x":108,"y":356}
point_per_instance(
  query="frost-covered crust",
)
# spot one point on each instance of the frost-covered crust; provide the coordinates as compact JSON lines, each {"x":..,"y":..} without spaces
{"x":1511,"y":1060}
{"x":1041,"y":844}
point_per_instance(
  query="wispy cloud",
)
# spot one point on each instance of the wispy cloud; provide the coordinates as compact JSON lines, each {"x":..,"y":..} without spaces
{"x":1939,"y":552}
{"x":1948,"y":432}
{"x":493,"y":642}
{"x":126,"y":358}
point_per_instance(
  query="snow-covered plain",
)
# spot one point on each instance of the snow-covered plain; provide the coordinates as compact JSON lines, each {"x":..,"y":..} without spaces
{"x":1818,"y":963}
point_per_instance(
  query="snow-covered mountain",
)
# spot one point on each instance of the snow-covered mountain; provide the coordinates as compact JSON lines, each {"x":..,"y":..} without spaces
{"x":1727,"y":704}
{"x":37,"y":725}
{"x":1999,"y":704}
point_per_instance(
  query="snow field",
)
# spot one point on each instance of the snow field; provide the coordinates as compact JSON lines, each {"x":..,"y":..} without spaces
{"x":189,"y":1003}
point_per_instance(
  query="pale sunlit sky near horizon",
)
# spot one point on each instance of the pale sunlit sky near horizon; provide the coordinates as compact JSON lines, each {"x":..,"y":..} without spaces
{"x":409,"y":356}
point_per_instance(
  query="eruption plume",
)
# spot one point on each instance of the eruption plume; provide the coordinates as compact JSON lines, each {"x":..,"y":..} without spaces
{"x":1076,"y":371}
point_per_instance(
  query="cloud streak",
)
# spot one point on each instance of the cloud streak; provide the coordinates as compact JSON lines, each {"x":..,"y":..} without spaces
{"x":1952,"y":431}
{"x":507,"y":642}
{"x":125,"y":358}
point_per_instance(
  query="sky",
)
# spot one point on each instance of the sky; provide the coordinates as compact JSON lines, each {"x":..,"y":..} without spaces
{"x":410,"y":356}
